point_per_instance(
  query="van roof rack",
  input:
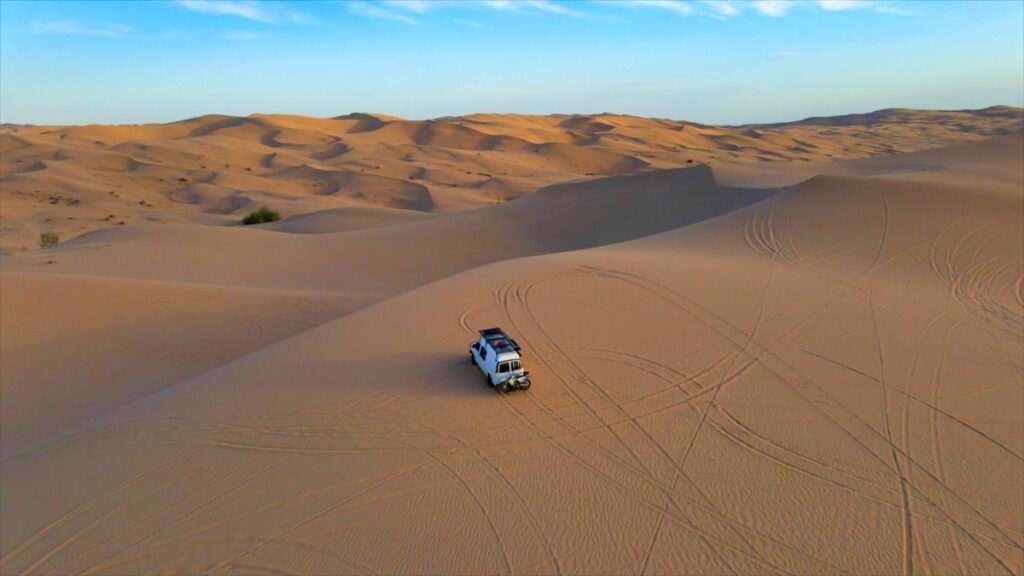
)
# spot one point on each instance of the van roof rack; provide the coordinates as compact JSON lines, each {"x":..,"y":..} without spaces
{"x":500,"y":341}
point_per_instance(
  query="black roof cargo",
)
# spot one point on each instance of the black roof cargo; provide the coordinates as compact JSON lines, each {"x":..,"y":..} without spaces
{"x":500,"y":341}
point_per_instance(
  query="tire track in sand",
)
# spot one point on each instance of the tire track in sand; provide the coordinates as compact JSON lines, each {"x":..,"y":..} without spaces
{"x":504,"y":304}
{"x":819,"y":401}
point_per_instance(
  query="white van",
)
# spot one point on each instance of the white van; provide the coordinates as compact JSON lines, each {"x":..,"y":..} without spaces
{"x":498,"y":357}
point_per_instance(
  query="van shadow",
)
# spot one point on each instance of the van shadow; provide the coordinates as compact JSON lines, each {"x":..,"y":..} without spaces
{"x":421,"y":374}
{"x":457,"y":375}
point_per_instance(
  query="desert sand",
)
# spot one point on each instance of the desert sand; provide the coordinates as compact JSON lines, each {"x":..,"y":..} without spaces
{"x":799,"y":353}
{"x":213,"y":169}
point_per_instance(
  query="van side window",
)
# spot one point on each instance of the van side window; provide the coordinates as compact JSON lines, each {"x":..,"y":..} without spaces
{"x":503,"y":367}
{"x":483,"y":352}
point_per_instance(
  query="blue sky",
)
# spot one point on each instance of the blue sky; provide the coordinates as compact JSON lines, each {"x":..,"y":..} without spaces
{"x":706,"y":61}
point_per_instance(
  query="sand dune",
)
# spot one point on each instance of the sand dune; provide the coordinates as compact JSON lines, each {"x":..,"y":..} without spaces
{"x":798,"y":367}
{"x":75,"y":347}
{"x":345,"y":220}
{"x":899,"y":129}
{"x":76,"y":179}
{"x":380,"y":262}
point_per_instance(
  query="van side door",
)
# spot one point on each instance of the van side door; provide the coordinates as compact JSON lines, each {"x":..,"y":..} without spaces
{"x":474,"y":349}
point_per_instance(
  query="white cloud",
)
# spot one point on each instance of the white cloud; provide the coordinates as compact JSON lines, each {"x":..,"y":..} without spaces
{"x":409,"y":11}
{"x":417,"y":6}
{"x":721,"y":8}
{"x":892,"y":9}
{"x":248,"y":9}
{"x":773,"y":8}
{"x":839,"y":5}
{"x":369,"y":10}
{"x":402,"y":10}
{"x":552,"y":7}
{"x":496,"y":4}
{"x":879,"y":6}
{"x":677,"y":6}
{"x":68,"y":28}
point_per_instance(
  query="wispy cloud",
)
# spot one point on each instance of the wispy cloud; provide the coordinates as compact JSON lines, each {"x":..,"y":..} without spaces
{"x":774,"y":8}
{"x":494,"y":4}
{"x":893,"y":9}
{"x":71,"y":28}
{"x":267,"y":13}
{"x":554,"y":8}
{"x":410,"y":11}
{"x":677,"y":6}
{"x":881,"y":6}
{"x":393,"y":9}
{"x":724,"y":9}
{"x":417,"y":6}
{"x":780,"y":7}
{"x":370,"y":10}
{"x":721,"y":8}
{"x":839,"y":5}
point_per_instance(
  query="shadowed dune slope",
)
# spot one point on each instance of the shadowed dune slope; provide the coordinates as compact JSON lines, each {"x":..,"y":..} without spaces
{"x":345,"y":220}
{"x":827,"y":381}
{"x":75,"y":347}
{"x":378,"y":262}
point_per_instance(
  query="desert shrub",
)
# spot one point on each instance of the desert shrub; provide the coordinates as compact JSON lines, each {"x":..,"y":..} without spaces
{"x":48,"y":239}
{"x":260,"y":216}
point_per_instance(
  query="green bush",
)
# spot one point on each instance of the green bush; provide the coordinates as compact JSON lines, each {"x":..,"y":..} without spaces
{"x":260,"y":216}
{"x":48,"y":239}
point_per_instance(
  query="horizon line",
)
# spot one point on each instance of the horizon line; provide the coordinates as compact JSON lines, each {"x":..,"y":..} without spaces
{"x":7,"y":124}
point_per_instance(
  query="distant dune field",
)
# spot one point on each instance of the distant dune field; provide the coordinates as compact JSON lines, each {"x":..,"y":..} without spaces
{"x":799,"y":353}
{"x":215,"y":169}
